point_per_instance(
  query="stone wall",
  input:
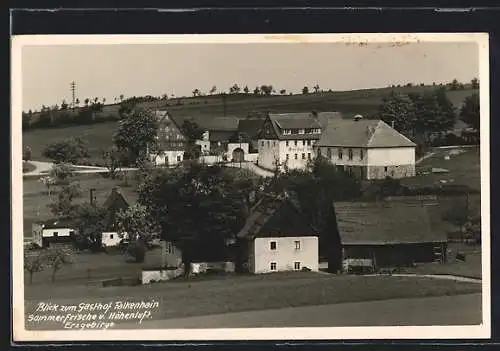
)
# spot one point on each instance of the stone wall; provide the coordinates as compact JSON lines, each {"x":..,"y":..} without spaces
{"x":396,"y":172}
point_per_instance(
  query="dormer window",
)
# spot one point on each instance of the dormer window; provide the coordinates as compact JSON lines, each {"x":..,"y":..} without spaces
{"x":295,"y":131}
{"x":287,"y":131}
{"x":301,"y":131}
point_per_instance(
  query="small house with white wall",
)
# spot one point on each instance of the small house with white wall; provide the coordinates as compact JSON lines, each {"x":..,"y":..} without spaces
{"x":53,"y":232}
{"x":115,"y":202}
{"x":171,"y":141}
{"x":369,"y":149}
{"x":276,"y":237}
{"x":287,"y":140}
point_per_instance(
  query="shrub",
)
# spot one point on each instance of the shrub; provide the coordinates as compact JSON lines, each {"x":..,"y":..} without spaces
{"x":138,"y":251}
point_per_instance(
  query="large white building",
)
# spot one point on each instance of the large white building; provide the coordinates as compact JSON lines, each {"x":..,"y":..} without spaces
{"x":287,"y":140}
{"x":370,"y":149}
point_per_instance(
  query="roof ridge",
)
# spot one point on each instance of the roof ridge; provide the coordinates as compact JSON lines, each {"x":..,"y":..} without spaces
{"x":373,"y":134}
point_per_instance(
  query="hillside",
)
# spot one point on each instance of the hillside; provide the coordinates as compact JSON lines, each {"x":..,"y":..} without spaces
{"x":349,"y":103}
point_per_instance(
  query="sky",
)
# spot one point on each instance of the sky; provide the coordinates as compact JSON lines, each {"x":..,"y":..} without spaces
{"x":156,"y":69}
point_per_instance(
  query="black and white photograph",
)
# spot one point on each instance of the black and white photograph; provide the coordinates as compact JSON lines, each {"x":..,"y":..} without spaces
{"x":250,"y":187}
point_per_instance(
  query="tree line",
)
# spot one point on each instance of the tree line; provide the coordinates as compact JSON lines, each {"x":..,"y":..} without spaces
{"x":92,"y":109}
{"x":428,"y":116}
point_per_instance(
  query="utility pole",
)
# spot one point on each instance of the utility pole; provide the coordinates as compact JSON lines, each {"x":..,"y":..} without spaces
{"x":73,"y":88}
{"x":92,"y":196}
{"x":224,"y":104}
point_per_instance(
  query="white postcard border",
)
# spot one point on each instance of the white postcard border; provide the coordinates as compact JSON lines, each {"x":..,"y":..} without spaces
{"x":335,"y":333}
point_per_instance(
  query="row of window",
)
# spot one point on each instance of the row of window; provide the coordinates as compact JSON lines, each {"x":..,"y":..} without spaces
{"x":295,"y":143}
{"x":296,"y":156}
{"x":274,"y":266}
{"x":302,"y":131}
{"x":304,"y":142}
{"x":272,"y":245}
{"x":56,"y":234}
{"x":340,"y":153}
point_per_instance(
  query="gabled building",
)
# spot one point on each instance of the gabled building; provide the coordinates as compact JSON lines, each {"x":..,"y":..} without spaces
{"x":54,"y":231}
{"x":171,"y":141}
{"x":115,"y":203}
{"x":249,"y":129}
{"x":288,"y":139}
{"x":386,"y":234}
{"x":276,"y":237}
{"x":370,"y":149}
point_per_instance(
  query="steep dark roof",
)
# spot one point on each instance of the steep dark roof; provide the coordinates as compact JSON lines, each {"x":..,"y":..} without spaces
{"x":275,"y":216}
{"x":301,"y":120}
{"x":116,"y":201}
{"x":362,"y":133}
{"x":378,"y":223}
{"x":251,"y":127}
{"x":170,"y":136}
{"x":228,"y":123}
{"x":221,"y":135}
{"x":56,"y":223}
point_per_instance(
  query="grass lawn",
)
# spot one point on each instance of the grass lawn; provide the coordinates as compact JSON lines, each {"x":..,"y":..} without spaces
{"x":28,"y":167}
{"x":99,"y":137}
{"x":464,"y":169}
{"x":471,"y":267}
{"x":244,"y":293}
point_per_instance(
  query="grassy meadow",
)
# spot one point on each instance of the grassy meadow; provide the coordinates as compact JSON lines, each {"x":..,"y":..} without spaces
{"x":233,"y":293}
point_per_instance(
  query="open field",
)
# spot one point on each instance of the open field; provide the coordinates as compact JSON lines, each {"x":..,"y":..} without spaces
{"x":28,"y":167}
{"x":245,"y":293}
{"x":99,"y":136}
{"x":464,"y":169}
{"x":471,"y":267}
{"x":424,"y":311}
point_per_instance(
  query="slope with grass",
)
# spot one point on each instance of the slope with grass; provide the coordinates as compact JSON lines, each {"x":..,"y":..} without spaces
{"x":99,"y":136}
{"x":245,"y":293}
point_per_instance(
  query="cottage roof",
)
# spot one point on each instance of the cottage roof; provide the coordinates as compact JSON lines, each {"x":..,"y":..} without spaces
{"x":116,"y":201}
{"x":221,"y":135}
{"x":267,"y":210}
{"x":251,"y":127}
{"x":301,"y":120}
{"x":382,"y":223}
{"x":362,"y":133}
{"x":228,"y":123}
{"x":170,"y":136}
{"x":56,"y":223}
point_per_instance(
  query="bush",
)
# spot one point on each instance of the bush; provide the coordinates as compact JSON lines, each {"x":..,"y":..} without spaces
{"x":138,"y":251}
{"x":27,"y":154}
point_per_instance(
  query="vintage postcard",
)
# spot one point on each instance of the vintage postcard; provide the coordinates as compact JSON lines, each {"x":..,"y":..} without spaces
{"x":250,"y":187}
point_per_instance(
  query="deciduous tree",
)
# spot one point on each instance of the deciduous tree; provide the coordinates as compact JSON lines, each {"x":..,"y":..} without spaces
{"x":62,"y":206}
{"x":89,"y":221}
{"x":69,"y":150}
{"x":469,"y":113}
{"x":33,"y":263}
{"x":183,"y":199}
{"x":57,"y":258}
{"x":140,"y":227}
{"x":136,"y":135}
